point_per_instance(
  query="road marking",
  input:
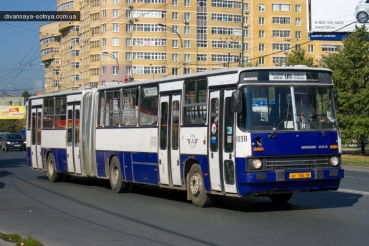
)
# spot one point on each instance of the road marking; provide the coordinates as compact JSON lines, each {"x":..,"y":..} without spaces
{"x":354,"y":192}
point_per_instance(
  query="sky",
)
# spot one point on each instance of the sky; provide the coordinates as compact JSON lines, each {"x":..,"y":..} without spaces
{"x":20,"y":62}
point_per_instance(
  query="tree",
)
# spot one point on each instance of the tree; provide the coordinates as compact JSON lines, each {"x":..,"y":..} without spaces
{"x":299,"y":57}
{"x":26,"y":95}
{"x":350,"y":66}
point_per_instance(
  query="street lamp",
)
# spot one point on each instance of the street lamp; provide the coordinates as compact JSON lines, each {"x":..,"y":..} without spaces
{"x":114,"y":58}
{"x":180,"y":38}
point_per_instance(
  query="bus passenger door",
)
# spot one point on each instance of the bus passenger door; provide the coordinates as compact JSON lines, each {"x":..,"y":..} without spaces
{"x":36,"y":137}
{"x":169,"y":126}
{"x":73,"y":139}
{"x":174,"y":139}
{"x":221,"y":142}
{"x":228,"y":137}
{"x":163,"y":141}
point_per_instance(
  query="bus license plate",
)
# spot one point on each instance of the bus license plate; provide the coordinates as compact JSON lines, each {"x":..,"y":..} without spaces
{"x":300,"y":175}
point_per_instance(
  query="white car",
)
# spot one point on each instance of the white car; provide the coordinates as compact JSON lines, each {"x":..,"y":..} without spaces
{"x":362,"y":11}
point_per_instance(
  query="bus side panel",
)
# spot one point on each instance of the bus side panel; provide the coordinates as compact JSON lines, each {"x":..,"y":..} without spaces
{"x":29,"y":157}
{"x":100,"y":164}
{"x":204,"y":164}
{"x":60,"y":157}
{"x":128,"y":170}
{"x":145,"y":168}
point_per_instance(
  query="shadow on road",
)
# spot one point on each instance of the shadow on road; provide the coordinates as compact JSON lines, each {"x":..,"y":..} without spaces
{"x":9,"y":163}
{"x":299,"y":201}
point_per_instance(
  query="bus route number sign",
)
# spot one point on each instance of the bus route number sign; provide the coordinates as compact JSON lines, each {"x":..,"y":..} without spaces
{"x":283,"y":76}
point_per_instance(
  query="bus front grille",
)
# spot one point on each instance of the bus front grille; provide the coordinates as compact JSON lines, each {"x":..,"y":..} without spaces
{"x":307,"y":162}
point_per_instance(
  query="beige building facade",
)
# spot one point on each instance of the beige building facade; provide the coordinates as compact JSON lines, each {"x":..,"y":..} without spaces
{"x":131,"y":40}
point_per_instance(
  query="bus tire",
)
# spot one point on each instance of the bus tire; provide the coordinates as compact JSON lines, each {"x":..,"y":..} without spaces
{"x":280,"y":198}
{"x":195,"y":184}
{"x":51,"y":170}
{"x":115,"y":176}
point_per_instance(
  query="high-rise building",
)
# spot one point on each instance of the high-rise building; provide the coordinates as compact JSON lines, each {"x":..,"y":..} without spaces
{"x":131,"y":40}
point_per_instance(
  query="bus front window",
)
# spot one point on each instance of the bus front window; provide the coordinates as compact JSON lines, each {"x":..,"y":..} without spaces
{"x":273,"y":108}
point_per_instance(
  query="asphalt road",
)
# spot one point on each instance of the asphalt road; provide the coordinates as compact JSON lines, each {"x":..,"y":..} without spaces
{"x":87,"y":212}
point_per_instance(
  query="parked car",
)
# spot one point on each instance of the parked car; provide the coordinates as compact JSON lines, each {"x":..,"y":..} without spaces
{"x":362,"y":11}
{"x":13,"y":141}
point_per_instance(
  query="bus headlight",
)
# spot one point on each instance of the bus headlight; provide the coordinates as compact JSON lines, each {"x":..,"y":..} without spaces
{"x":257,"y":164}
{"x":334,"y":161}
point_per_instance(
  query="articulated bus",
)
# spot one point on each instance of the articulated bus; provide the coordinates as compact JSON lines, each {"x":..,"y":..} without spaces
{"x":231,"y":132}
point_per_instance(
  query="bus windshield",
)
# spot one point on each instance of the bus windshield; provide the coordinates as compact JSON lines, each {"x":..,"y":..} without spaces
{"x":287,"y":108}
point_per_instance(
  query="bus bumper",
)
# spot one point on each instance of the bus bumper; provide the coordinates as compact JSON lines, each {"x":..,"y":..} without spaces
{"x":290,"y":180}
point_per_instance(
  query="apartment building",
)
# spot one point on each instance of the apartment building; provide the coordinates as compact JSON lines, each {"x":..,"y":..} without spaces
{"x":119,"y":41}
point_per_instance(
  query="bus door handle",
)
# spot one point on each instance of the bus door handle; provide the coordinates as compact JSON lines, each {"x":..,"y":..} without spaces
{"x":177,"y":162}
{"x":230,"y":156}
{"x":159,"y":161}
{"x":212,"y":155}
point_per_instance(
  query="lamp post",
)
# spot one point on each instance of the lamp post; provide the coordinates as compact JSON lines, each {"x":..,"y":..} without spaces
{"x":114,"y":58}
{"x":180,"y":38}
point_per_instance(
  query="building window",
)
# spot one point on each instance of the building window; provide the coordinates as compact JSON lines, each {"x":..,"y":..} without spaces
{"x":174,"y":71}
{"x":174,"y":29}
{"x":103,"y":28}
{"x":175,"y":16}
{"x":329,"y":48}
{"x":115,"y":27}
{"x":201,"y":57}
{"x":187,"y":16}
{"x":187,"y":3}
{"x":174,"y":43}
{"x":115,"y":1}
{"x":261,"y":34}
{"x":128,"y":56}
{"x":187,"y":57}
{"x":245,"y":33}
{"x":261,"y":60}
{"x":187,"y":30}
{"x":298,"y":21}
{"x":298,"y":34}
{"x":103,"y":56}
{"x":186,"y":70}
{"x":128,"y":42}
{"x":103,"y":70}
{"x":281,"y":20}
{"x":202,"y":44}
{"x":187,"y":44}
{"x":298,"y":8}
{"x":261,"y":7}
{"x":103,"y":13}
{"x":279,"y":60}
{"x":281,"y":7}
{"x":310,"y":48}
{"x":115,"y":70}
{"x":115,"y":13}
{"x":261,"y":47}
{"x":261,"y":21}
{"x":115,"y":56}
{"x":115,"y":41}
{"x":174,"y":57}
{"x":245,"y":46}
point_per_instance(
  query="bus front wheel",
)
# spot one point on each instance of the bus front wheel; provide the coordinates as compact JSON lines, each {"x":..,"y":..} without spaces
{"x":199,"y":197}
{"x":116,"y":180}
{"x":280,"y":198}
{"x":51,"y":170}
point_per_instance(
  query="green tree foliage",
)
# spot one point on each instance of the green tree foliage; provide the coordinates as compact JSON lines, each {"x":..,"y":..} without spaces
{"x":26,"y":95}
{"x":299,"y":57}
{"x":12,"y":125}
{"x":350,"y":66}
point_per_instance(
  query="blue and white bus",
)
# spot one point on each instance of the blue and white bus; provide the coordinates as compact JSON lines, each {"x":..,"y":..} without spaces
{"x":233,"y":132}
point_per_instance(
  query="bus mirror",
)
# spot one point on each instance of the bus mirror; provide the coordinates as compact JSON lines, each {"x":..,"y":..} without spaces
{"x":236,"y":102}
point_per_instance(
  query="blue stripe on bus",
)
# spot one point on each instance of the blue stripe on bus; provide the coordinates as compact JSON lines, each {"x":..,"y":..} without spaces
{"x":295,"y":143}
{"x":136,"y":167}
{"x":204,"y":164}
{"x":60,"y":157}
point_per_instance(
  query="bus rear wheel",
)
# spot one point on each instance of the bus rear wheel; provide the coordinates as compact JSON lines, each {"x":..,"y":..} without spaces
{"x":51,"y":170}
{"x":280,"y":198}
{"x":115,"y":176}
{"x":198,"y":195}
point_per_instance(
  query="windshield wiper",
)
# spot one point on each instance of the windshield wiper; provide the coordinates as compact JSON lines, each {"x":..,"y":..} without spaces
{"x":317,"y":127}
{"x":276,"y":130}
